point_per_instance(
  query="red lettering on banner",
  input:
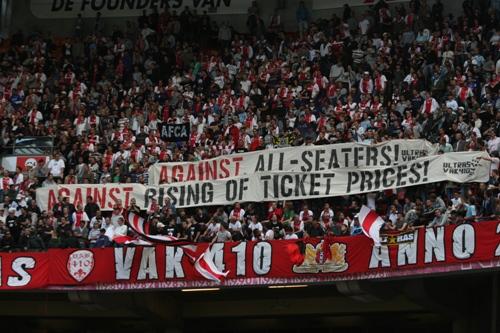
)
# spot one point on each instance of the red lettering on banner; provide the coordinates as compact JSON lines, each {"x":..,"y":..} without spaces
{"x":177,"y":173}
{"x":200,"y":170}
{"x":163,"y":174}
{"x":223,"y":168}
{"x":88,"y":191}
{"x":127,"y":191}
{"x":113,"y":198}
{"x":237,"y":160}
{"x":64,"y":192}
{"x":78,"y":197}
{"x":191,"y":174}
{"x":211,"y":170}
{"x":100,"y":197}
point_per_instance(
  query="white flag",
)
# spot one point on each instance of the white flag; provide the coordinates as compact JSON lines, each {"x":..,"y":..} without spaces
{"x":370,"y":223}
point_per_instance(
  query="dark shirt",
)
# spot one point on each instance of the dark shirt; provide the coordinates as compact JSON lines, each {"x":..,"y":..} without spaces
{"x":102,"y":241}
{"x":91,"y":209}
{"x":316,"y":232}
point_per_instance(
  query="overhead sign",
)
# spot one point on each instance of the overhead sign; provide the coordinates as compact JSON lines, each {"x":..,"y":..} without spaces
{"x":53,"y":9}
{"x":329,"y":4}
{"x":293,"y":159}
{"x":270,"y":186}
{"x":454,"y":248}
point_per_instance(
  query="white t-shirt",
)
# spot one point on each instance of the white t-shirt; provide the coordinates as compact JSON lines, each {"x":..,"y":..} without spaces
{"x":115,"y":218}
{"x":291,"y":236}
{"x":452,"y":104}
{"x":120,"y":230}
{"x":456,"y":202}
{"x":269,"y":235}
{"x":363,"y":26}
{"x":252,"y":226}
{"x":493,"y":144}
{"x":19,"y":179}
{"x":235,"y":226}
{"x":213,"y":228}
{"x":245,"y":85}
{"x":56,"y":167}
{"x":495,"y":163}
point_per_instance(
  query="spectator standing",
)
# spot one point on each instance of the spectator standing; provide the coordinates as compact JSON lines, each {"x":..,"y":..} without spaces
{"x":56,"y":167}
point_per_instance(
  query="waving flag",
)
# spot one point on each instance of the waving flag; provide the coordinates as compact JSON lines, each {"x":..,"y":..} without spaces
{"x":370,"y":223}
{"x":141,"y":227}
{"x":203,"y":264}
{"x":198,"y":257}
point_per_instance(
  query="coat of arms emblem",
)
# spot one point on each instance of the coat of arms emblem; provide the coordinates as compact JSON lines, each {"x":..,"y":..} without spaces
{"x":326,"y":258}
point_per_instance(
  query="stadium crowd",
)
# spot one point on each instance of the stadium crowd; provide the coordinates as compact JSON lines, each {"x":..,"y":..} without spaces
{"x":404,"y":71}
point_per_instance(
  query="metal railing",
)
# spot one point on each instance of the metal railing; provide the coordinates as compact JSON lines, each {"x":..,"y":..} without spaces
{"x":30,"y":145}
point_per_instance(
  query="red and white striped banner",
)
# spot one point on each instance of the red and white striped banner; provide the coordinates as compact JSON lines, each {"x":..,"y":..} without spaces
{"x":201,"y":260}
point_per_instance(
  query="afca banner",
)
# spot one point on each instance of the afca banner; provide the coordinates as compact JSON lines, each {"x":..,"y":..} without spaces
{"x":454,"y":248}
{"x":51,"y":9}
{"x":174,"y":132}
{"x":459,"y":167}
{"x":293,"y":159}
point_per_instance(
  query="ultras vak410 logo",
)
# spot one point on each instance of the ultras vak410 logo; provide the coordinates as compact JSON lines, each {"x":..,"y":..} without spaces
{"x":80,"y":264}
{"x":461,"y":168}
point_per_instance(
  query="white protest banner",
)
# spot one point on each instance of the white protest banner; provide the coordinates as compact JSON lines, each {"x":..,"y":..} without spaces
{"x":330,"y":4}
{"x":292,"y":159}
{"x":105,"y":195}
{"x":54,"y":9}
{"x":269,"y":186}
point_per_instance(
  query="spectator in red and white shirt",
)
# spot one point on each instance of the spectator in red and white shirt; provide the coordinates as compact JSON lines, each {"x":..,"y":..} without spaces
{"x":366,"y":84}
{"x":306,"y":214}
{"x":430,"y":105}
{"x":237,"y":212}
{"x":80,"y":218}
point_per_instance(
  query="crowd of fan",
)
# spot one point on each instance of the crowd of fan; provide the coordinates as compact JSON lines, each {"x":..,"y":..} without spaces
{"x":405,"y":71}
